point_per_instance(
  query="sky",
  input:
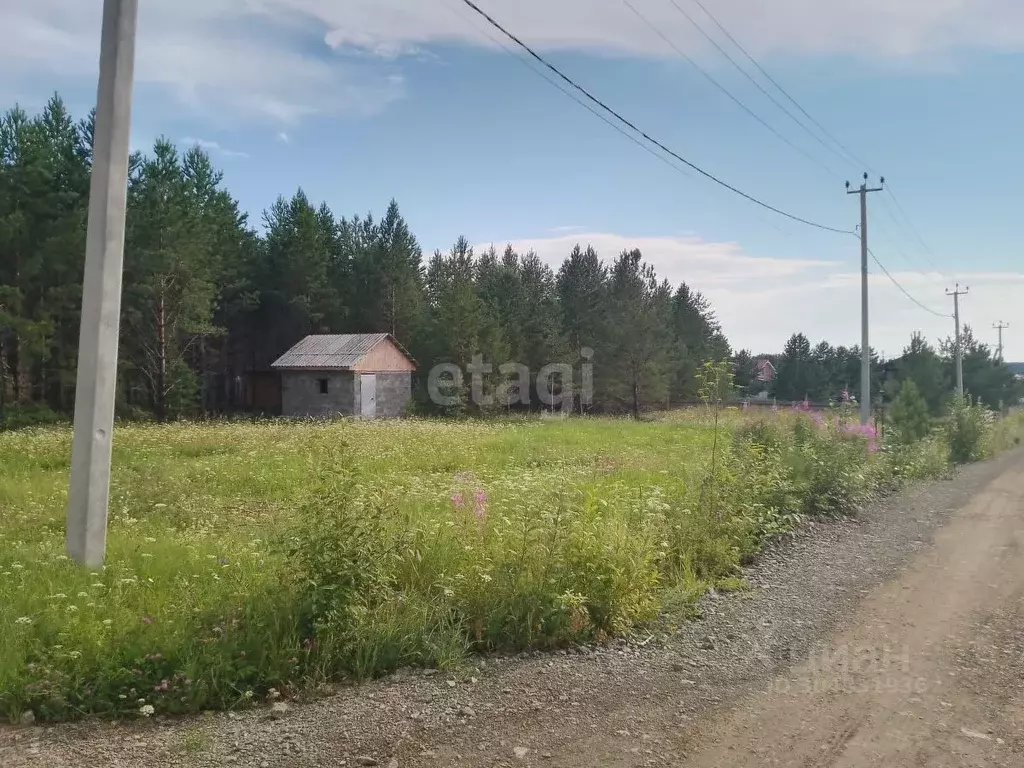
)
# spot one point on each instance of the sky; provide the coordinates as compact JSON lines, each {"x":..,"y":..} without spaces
{"x":361,"y":101}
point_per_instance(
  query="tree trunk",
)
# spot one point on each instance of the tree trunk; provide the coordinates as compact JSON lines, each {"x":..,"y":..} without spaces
{"x":22,"y":385}
{"x":160,"y":396}
{"x":5,"y":394}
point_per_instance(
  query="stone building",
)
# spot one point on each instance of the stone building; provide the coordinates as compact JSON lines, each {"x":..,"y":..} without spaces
{"x":368,"y":375}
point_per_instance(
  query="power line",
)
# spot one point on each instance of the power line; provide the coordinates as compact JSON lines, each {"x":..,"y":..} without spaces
{"x":756,"y":84}
{"x":725,"y":90}
{"x":927,"y":262}
{"x":574,"y":97}
{"x":645,"y":135}
{"x":927,"y":250}
{"x":904,"y":290}
{"x":782,"y":90}
{"x":849,"y":153}
{"x":914,"y":262}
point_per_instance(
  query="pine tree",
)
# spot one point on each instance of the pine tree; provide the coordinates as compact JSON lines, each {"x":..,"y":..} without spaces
{"x":640,"y":315}
{"x":457,"y":327}
{"x":794,"y":375}
{"x":909,"y":414}
{"x":698,"y":340}
{"x":296,"y":263}
{"x":169,"y":289}
{"x":582,"y":290}
{"x":921,"y":364}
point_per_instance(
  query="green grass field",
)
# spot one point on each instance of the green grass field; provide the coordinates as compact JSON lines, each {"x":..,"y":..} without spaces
{"x":253,"y":560}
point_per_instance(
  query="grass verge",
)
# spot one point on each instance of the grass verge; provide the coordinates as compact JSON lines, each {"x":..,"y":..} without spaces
{"x":252,"y":561}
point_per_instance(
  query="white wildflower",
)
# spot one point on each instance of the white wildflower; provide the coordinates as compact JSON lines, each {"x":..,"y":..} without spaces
{"x":146,"y":710}
{"x":23,"y":620}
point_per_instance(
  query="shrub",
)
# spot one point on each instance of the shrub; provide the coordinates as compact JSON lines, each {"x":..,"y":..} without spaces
{"x":31,"y":415}
{"x":909,"y":417}
{"x":966,"y":430}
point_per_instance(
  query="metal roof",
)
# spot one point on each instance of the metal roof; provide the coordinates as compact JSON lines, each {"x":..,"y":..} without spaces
{"x":331,"y":352}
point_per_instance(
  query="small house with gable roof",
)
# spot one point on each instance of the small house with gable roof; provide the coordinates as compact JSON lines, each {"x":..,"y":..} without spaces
{"x":368,"y":375}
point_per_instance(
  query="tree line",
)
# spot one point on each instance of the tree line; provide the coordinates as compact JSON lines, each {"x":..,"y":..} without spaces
{"x":209,"y":297}
{"x":822,"y":373}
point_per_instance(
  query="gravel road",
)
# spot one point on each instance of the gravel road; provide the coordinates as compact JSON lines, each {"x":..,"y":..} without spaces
{"x":891,"y":638}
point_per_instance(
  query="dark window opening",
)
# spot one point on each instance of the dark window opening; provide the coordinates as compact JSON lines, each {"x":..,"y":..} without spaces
{"x":322,"y":383}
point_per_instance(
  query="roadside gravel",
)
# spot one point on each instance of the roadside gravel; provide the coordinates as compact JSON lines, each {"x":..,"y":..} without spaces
{"x":539,"y":709}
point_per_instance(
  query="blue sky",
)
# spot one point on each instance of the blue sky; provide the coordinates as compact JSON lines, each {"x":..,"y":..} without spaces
{"x":359,"y":101}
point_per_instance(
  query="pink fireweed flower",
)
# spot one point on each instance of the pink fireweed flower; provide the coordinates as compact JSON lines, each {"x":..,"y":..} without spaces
{"x":457,"y":500}
{"x":480,"y":507}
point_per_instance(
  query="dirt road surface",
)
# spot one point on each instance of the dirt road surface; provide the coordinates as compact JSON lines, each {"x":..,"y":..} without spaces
{"x":892,"y":639}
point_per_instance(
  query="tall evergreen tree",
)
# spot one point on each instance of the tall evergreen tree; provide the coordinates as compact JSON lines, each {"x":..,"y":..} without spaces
{"x":698,"y":340}
{"x":457,"y":324}
{"x":300,"y":254}
{"x":386,"y":270}
{"x":640,"y":312}
{"x":795,"y":375}
{"x":921,"y":364}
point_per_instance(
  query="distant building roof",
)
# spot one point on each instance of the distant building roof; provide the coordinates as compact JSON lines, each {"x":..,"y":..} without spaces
{"x":765,"y":370}
{"x":338,"y":352}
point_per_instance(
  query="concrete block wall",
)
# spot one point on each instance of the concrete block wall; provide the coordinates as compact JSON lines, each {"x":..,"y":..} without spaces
{"x":301,"y":397}
{"x":394,"y":390}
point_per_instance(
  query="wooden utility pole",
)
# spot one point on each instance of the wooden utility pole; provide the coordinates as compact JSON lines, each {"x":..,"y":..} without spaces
{"x":956,"y":293}
{"x":101,"y":289}
{"x":865,"y":347}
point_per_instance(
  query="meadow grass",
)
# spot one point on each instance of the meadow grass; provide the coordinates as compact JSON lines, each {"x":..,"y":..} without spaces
{"x":248,"y":561}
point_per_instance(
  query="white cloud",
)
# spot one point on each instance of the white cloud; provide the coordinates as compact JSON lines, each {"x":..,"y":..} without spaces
{"x":866,"y":28}
{"x":273,"y":59}
{"x":283,"y":138}
{"x":762,"y":301}
{"x":238,"y":57}
{"x":213,"y":146}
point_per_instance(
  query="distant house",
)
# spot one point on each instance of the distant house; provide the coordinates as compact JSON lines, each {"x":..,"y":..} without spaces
{"x":358,"y":374}
{"x":764,"y":371}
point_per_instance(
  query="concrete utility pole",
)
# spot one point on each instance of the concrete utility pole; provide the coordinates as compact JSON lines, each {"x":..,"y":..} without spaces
{"x":865,"y":348}
{"x":956,"y":294}
{"x":101,"y":289}
{"x":999,"y":327}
